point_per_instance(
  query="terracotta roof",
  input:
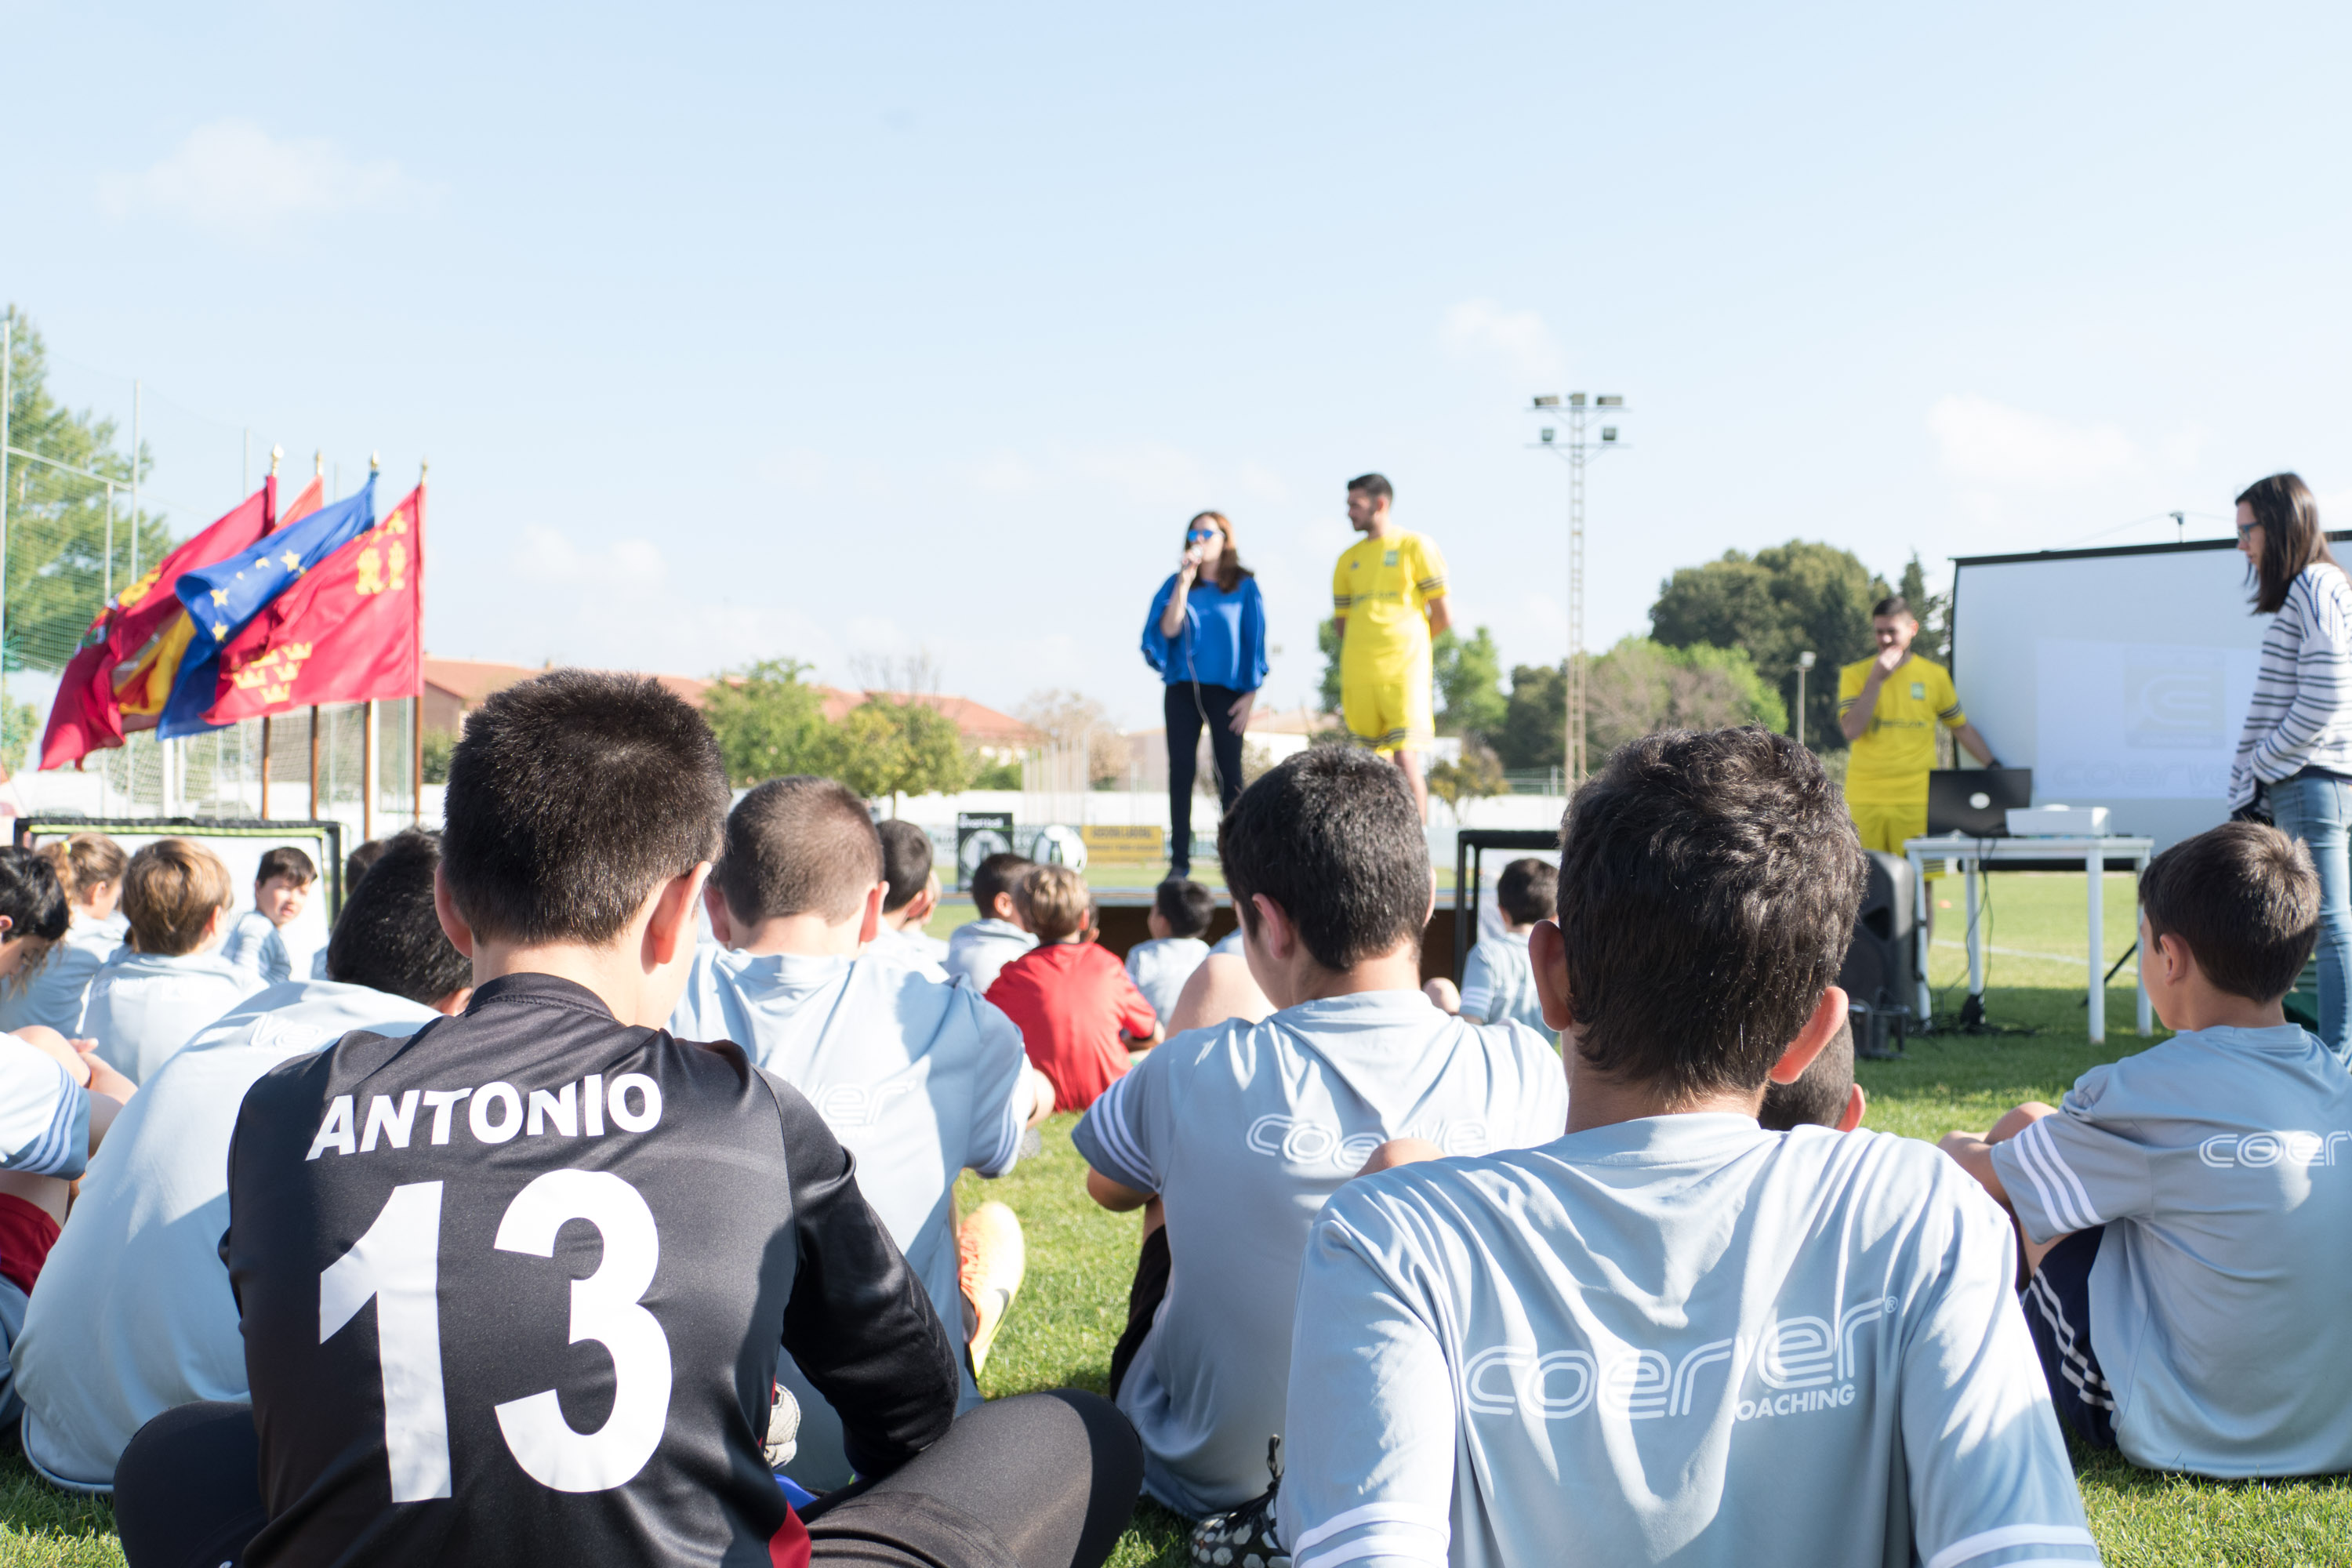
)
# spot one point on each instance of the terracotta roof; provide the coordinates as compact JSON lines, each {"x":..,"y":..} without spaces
{"x":979,"y":725}
{"x":470,"y":680}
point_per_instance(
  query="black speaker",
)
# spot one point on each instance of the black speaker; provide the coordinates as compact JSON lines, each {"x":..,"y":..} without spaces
{"x":1880,"y":978}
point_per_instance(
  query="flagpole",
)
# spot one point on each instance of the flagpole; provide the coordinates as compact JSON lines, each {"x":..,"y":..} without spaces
{"x":416,"y":703}
{"x":367,"y":734}
{"x":8,"y":396}
{"x":315,"y":812}
{"x":277,"y":455}
{"x":265,"y":767}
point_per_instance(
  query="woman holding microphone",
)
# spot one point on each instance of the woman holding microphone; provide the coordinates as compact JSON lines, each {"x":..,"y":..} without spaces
{"x":2294,"y":758}
{"x":1206,"y":637}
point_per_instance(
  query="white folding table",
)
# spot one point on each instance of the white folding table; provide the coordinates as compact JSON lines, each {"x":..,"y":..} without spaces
{"x":1974,"y":856}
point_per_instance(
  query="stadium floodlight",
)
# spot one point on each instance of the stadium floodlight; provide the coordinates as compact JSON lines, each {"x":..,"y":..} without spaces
{"x":1578,"y":408}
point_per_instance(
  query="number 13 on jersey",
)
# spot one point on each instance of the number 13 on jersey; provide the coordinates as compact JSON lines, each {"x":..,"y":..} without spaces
{"x":396,"y":1264}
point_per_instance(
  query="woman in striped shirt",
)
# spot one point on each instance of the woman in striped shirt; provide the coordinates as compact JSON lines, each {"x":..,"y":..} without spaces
{"x":2296,"y":755}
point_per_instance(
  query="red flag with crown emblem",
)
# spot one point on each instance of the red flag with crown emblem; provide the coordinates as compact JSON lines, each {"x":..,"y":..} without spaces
{"x":349,"y":631}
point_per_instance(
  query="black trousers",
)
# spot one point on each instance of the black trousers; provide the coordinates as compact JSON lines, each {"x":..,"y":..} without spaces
{"x":1184,"y":707}
{"x":1044,"y":1480}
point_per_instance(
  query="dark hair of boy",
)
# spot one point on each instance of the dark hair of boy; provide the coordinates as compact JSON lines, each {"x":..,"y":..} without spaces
{"x":170,"y":890}
{"x":1527,"y":891}
{"x":1186,"y":905}
{"x":798,"y":845}
{"x":571,"y":797}
{"x":32,"y":895}
{"x":356,"y":863}
{"x":1893,"y":605}
{"x":2244,"y":898}
{"x":906,"y":858}
{"x":389,"y":937}
{"x":1711,"y":882}
{"x":1820,"y":1095}
{"x":288,"y":862}
{"x":1332,"y":836}
{"x":1374,"y":485}
{"x":997,"y":875}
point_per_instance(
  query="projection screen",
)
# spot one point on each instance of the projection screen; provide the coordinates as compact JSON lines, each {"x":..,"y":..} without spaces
{"x":2120,"y":676}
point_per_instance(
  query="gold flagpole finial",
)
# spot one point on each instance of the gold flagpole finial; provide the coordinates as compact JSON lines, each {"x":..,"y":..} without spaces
{"x":423,"y":467}
{"x":318,"y":464}
{"x":277,"y":455}
{"x":375,"y":462}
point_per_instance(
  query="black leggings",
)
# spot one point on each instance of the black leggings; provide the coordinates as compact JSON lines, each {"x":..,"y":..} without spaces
{"x":1044,"y":1480}
{"x":1184,"y":707}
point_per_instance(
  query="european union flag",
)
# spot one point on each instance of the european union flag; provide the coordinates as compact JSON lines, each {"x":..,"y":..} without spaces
{"x":222,"y":597}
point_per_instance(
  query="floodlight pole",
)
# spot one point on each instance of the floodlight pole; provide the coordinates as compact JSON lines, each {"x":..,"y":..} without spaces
{"x":1805,"y":662}
{"x":1577,"y":407}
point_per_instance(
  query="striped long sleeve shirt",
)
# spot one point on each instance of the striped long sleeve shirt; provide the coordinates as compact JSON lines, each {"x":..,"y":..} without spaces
{"x":2301,"y":716}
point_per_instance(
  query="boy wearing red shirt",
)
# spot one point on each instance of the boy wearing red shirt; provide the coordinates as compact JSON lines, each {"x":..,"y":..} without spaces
{"x":1071,"y":998}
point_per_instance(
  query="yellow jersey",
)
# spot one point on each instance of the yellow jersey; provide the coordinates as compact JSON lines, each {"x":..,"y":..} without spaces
{"x":1889,"y":765}
{"x":1383,"y":588}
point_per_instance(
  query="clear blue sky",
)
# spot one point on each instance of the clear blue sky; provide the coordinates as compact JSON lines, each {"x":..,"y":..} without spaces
{"x":830,"y":331}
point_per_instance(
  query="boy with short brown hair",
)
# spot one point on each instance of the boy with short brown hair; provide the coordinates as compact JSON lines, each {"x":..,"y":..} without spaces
{"x":281,"y":886}
{"x":168,"y":980}
{"x":2184,"y":1210}
{"x":1075,"y":1007}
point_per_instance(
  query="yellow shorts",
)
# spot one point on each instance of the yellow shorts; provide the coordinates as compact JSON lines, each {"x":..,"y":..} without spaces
{"x":1884,"y":827}
{"x":1390,"y":709}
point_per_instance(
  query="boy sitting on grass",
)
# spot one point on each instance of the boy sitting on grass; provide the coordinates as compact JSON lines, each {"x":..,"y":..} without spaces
{"x":1824,"y":1095}
{"x":2185,"y":1210}
{"x":913,"y":898}
{"x":1180,"y":911}
{"x":168,"y":980}
{"x":978,"y":949}
{"x":1671,"y":1336}
{"x":918,"y":1079}
{"x":1243,"y":1130}
{"x":1076,"y":1008}
{"x":1497,"y":981}
{"x":281,"y":886}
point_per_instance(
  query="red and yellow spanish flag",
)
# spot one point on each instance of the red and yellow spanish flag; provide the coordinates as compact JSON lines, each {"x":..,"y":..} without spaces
{"x":351,"y":629}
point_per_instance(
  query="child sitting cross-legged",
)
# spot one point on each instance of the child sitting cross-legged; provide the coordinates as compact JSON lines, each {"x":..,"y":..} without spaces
{"x":978,"y":949}
{"x":1181,"y":912}
{"x":281,"y":886}
{"x":1243,"y":1129}
{"x":912,"y":898}
{"x":1075,"y":1007}
{"x":2186,"y":1209}
{"x":1497,"y":983}
{"x":916,"y":1076}
{"x":1671,"y":1336}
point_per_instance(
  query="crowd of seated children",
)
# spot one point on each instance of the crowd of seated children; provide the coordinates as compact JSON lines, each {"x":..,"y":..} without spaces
{"x":1181,"y":912}
{"x":919,"y":1078}
{"x":90,"y":867}
{"x":168,"y":980}
{"x":1670,"y":1334}
{"x":979,"y":948}
{"x":2184,"y":1210}
{"x":1497,"y":983}
{"x":559,"y":1166}
{"x":55,"y":1105}
{"x":1070,"y":997}
{"x":913,"y":898}
{"x":134,"y":1315}
{"x":1243,"y":1130}
{"x":281,"y":886}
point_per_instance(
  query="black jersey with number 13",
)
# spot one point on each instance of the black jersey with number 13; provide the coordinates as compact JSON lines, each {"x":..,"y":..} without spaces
{"x":512,"y":1290}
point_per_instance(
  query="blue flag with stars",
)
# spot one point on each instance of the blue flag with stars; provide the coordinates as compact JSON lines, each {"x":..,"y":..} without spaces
{"x":223,"y":596}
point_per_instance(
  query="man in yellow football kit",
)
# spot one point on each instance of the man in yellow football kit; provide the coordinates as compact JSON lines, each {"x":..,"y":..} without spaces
{"x":1889,"y":705}
{"x":1387,"y":600}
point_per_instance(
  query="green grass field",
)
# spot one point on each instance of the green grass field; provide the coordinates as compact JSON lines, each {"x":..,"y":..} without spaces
{"x":1080,"y":1260}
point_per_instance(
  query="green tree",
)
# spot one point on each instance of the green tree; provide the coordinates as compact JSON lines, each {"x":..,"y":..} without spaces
{"x":1535,"y":718}
{"x":1326,"y":639}
{"x":1933,"y":611}
{"x":1470,"y":683}
{"x":1772,"y":607}
{"x":1640,"y":686}
{"x":885,"y":747}
{"x":1475,"y":777}
{"x":56,"y":576}
{"x":770,"y":722}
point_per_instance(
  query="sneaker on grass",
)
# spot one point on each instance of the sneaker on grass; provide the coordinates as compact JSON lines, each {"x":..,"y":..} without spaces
{"x":994,"y":1258}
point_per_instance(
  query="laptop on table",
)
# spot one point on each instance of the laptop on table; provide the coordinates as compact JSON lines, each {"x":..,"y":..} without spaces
{"x":1975,"y":802}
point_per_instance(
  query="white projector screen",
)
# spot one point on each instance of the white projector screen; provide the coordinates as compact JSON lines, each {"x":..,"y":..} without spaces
{"x":2120,"y":676}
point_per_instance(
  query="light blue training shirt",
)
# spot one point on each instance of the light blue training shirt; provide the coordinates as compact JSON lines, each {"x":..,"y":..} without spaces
{"x":978,"y":950}
{"x":1244,"y":1129}
{"x":254,"y":942}
{"x":918,"y":1079}
{"x":2221,"y":1162}
{"x":1681,"y":1340}
{"x":1160,"y":968}
{"x":144,"y":1006}
{"x":59,"y":989}
{"x":1498,"y":981}
{"x":133,"y":1315}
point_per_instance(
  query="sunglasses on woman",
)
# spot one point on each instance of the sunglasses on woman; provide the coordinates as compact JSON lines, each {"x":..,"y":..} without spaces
{"x":1201,"y":536}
